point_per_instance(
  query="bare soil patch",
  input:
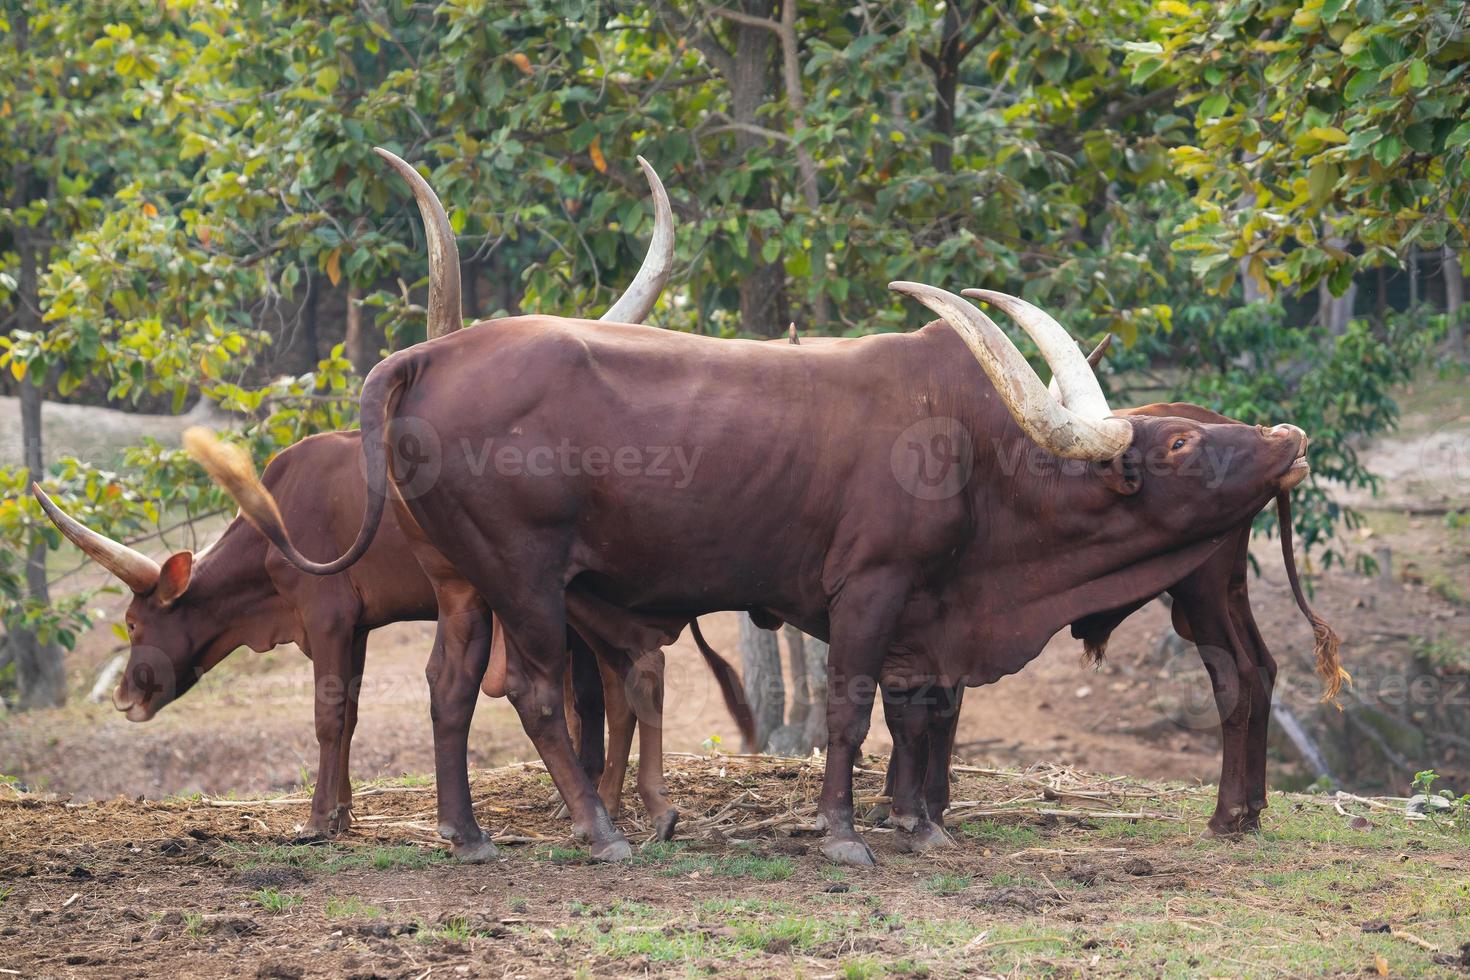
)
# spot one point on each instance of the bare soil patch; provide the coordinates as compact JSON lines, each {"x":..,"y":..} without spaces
{"x":1052,"y":871}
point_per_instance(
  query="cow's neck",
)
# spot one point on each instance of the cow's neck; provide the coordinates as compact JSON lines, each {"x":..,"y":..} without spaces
{"x":230,"y":579}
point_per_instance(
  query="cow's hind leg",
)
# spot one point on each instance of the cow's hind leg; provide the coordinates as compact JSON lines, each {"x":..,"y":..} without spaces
{"x":864,"y":616}
{"x":1235,"y":683}
{"x":621,"y":721}
{"x":1260,"y":720}
{"x":590,"y":705}
{"x":536,"y":631}
{"x":648,"y":700}
{"x":455,"y":669}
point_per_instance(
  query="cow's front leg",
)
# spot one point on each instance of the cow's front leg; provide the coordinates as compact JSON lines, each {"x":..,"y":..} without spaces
{"x":343,"y":821}
{"x":908,"y":726}
{"x":863,"y":616}
{"x":330,"y":646}
{"x":455,"y":669}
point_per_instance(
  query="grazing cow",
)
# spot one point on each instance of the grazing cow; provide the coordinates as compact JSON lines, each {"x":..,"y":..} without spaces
{"x":918,"y":570}
{"x":192,"y":611}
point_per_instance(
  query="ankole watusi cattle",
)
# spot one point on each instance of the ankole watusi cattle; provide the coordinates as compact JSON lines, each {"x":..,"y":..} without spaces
{"x":192,"y":611}
{"x":1212,"y":609}
{"x":918,"y":570}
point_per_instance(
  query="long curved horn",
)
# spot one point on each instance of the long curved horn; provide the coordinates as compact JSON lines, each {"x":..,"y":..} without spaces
{"x":638,"y":300}
{"x":1053,"y":427}
{"x":1080,"y":390}
{"x":137,"y":571}
{"x":444,"y":302}
{"x":1093,"y":360}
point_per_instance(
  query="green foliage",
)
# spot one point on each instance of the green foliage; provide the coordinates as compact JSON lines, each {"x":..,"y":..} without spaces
{"x":1318,"y":126}
{"x":184,"y":172}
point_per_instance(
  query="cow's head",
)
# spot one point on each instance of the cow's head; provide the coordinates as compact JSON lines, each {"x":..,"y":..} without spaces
{"x":1181,"y":477}
{"x":171,"y":641}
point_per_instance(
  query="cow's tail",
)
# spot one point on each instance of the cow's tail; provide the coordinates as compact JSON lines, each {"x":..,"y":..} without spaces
{"x":730,"y":686}
{"x":1326,"y":642}
{"x":232,"y":469}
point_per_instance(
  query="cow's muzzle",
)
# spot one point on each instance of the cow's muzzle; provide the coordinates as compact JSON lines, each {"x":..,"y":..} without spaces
{"x":1296,"y":444}
{"x":125,"y":701}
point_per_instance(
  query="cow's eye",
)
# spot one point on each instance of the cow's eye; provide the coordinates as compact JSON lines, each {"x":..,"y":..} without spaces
{"x":1178,"y":444}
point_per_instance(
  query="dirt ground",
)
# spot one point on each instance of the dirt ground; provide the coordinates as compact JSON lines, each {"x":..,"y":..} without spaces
{"x":1052,"y":871}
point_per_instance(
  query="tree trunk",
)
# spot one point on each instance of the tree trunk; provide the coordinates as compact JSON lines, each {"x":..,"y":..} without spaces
{"x":946,"y":68}
{"x":816,"y":679}
{"x":1413,"y":277}
{"x":1454,"y":299}
{"x":1336,"y":312}
{"x":765,"y":687}
{"x":763,"y":305}
{"x":40,"y":675}
{"x":352,"y":343}
{"x":800,"y":692}
{"x":309,"y":319}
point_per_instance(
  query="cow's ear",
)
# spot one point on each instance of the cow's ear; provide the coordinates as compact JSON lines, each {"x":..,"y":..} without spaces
{"x":173,"y":579}
{"x":1123,"y":474}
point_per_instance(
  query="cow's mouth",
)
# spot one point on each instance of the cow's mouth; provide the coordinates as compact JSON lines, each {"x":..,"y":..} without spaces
{"x":136,"y":711}
{"x":1296,"y":472}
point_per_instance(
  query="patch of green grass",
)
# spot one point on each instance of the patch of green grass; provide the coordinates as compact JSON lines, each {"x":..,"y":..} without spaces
{"x":732,"y":866}
{"x":947,"y":884}
{"x":333,"y":857}
{"x":5,"y":892}
{"x":276,"y":902}
{"x":518,"y":904}
{"x":351,"y":908}
{"x":561,"y":855}
{"x":194,"y":924}
{"x":1014,"y":835}
{"x":866,"y":968}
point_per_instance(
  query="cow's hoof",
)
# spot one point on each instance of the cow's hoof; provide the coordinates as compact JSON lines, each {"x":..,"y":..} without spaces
{"x":562,"y":813}
{"x":849,"y":850}
{"x":612,"y":851}
{"x":907,"y":822}
{"x":312,"y":834}
{"x":664,"y":823}
{"x":878,"y":816}
{"x":477,"y":853}
{"x":926,"y":837}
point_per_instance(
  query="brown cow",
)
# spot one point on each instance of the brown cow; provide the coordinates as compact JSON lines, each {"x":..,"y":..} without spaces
{"x":190,"y":613}
{"x":918,"y":570}
{"x":1211,"y":608}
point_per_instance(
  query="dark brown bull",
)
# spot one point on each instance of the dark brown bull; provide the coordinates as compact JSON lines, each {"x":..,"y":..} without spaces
{"x":1212,"y":609}
{"x":190,"y":613}
{"x":1039,"y":516}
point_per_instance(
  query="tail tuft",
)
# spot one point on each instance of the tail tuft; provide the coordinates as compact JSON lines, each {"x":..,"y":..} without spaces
{"x":232,"y":469}
{"x":1326,"y":645}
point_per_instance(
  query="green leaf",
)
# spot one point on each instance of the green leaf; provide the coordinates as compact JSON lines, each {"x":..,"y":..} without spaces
{"x":1459,"y":136}
{"x":1146,"y":69}
{"x":1418,"y":73}
{"x":1214,"y":105}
